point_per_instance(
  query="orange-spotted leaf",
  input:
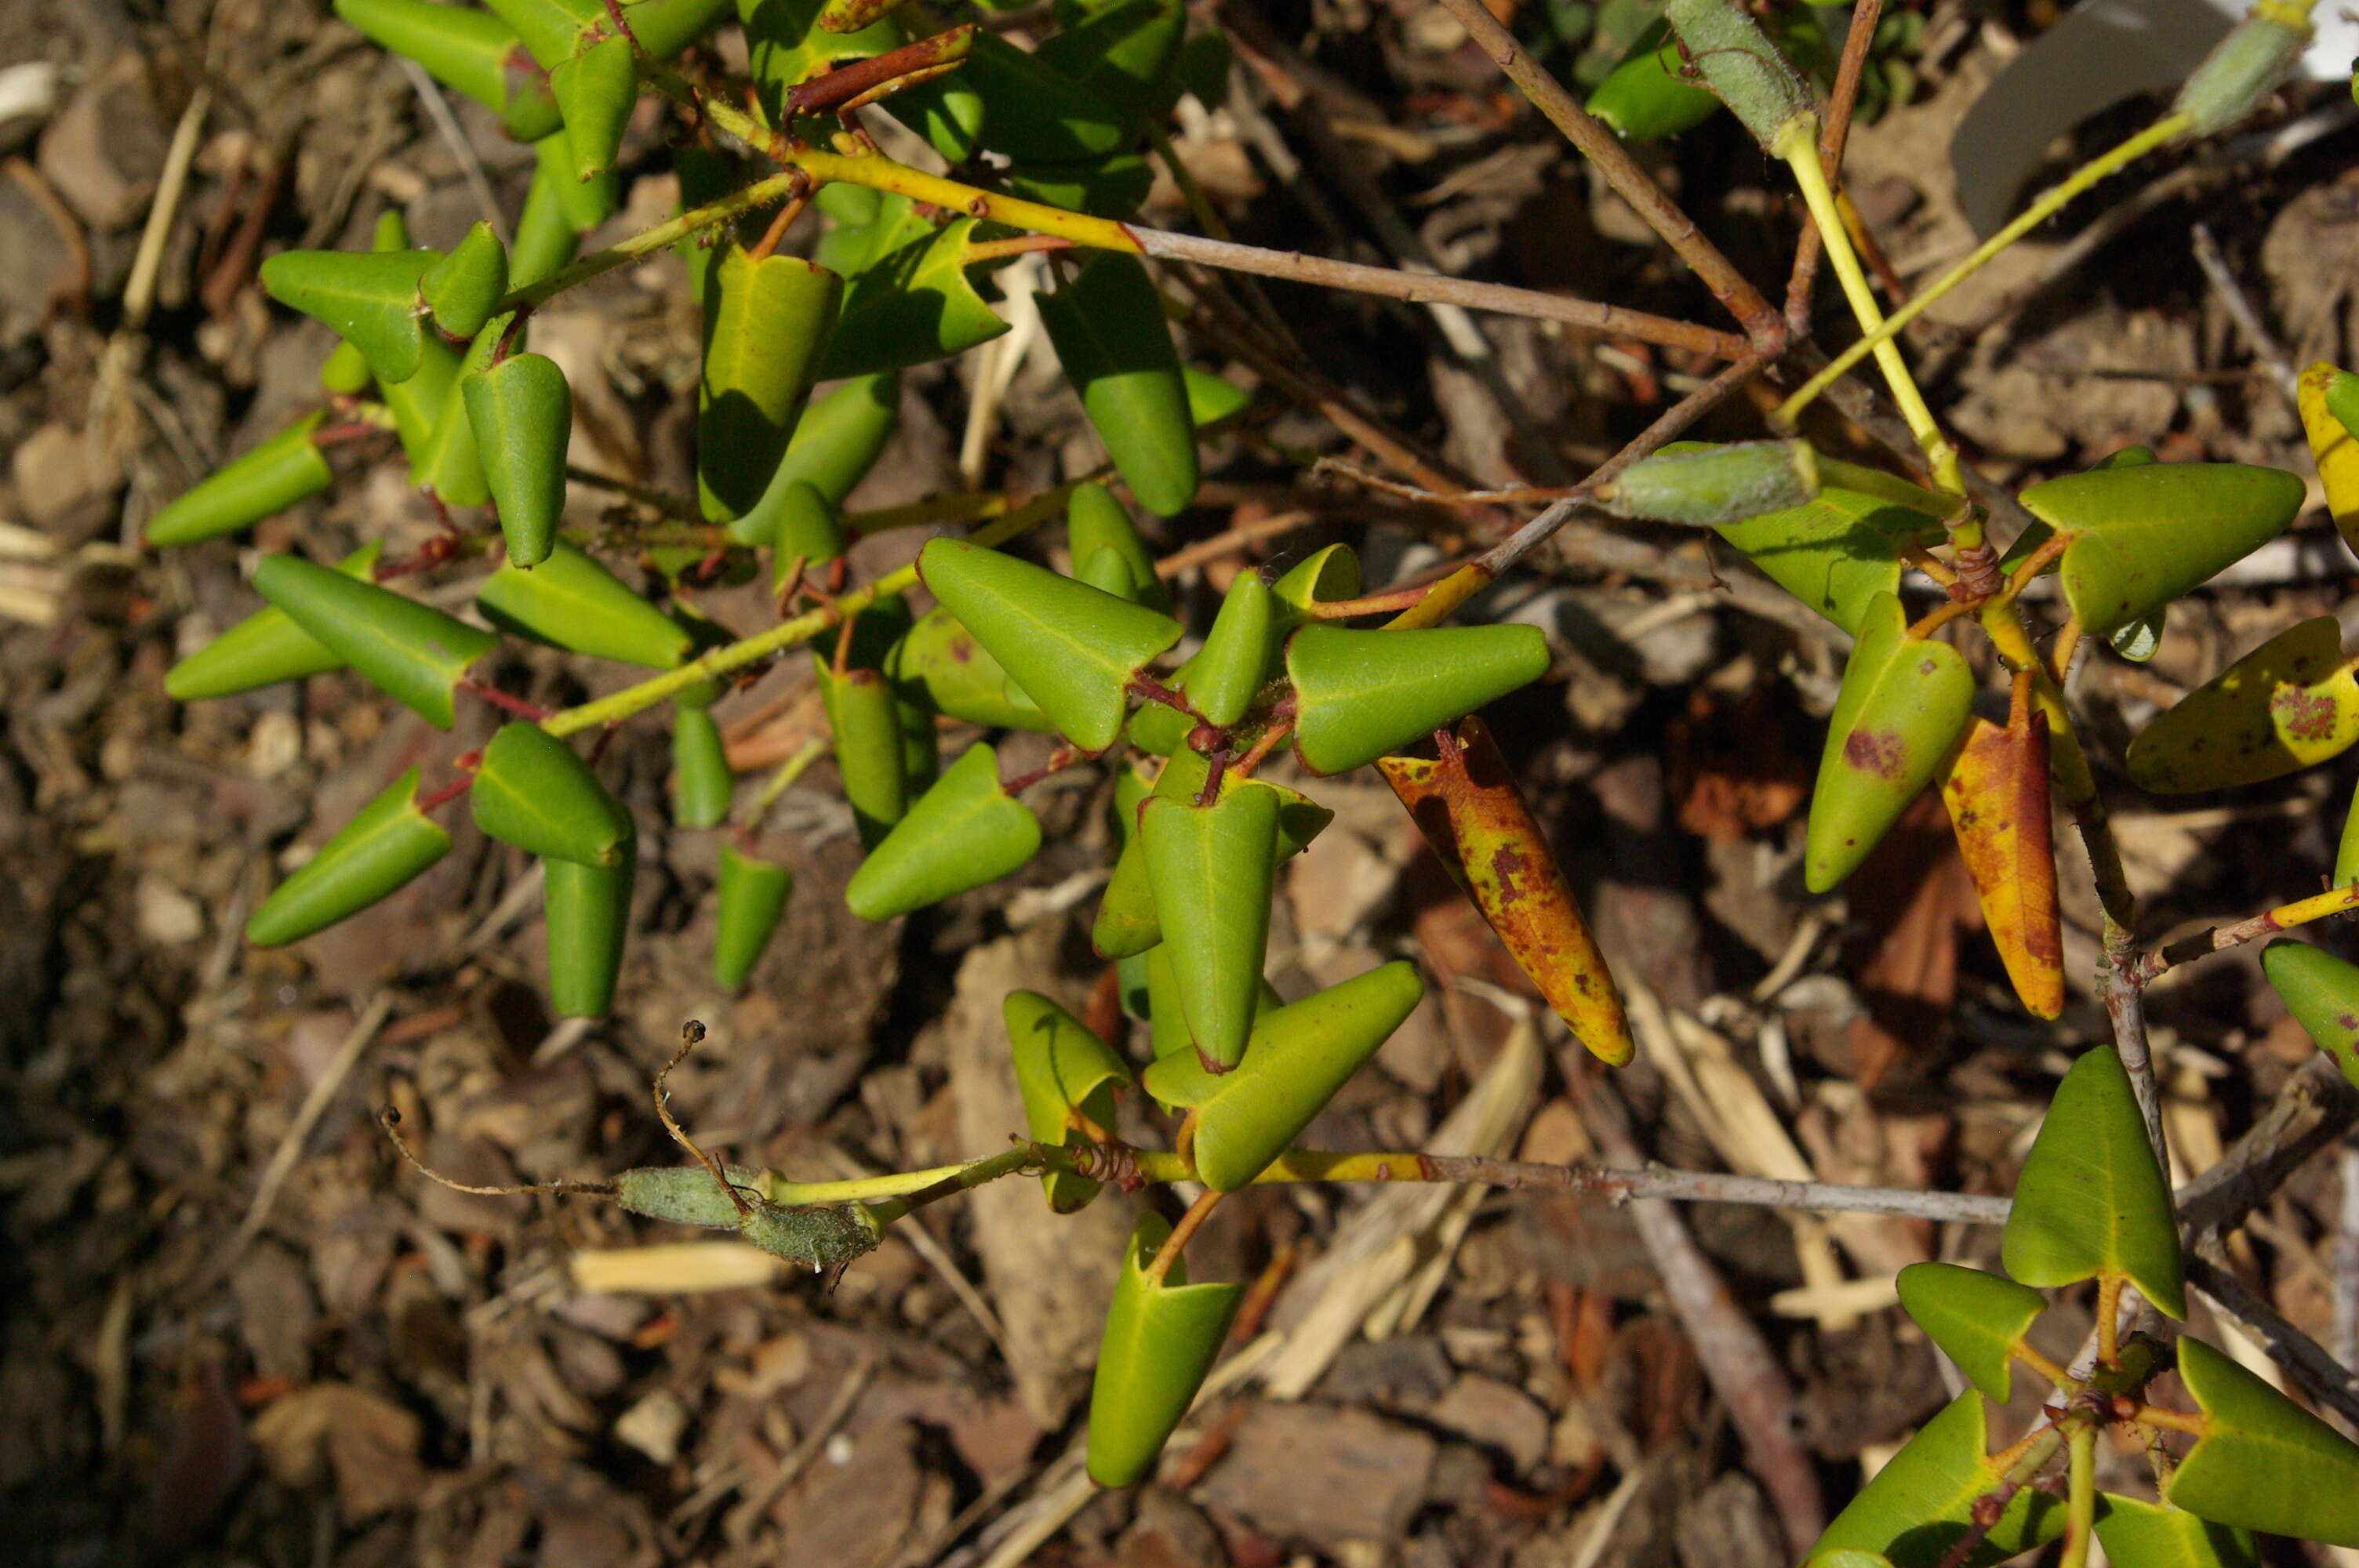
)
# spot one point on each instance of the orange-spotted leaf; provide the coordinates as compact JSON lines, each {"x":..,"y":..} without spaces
{"x":2289,"y":703}
{"x":2333,"y":446}
{"x":1467,"y":805}
{"x":1996,"y":791}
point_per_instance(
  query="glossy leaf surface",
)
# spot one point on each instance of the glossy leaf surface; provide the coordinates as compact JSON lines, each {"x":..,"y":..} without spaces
{"x":573,"y":601}
{"x":413,"y":652}
{"x":1836,"y":552}
{"x":1904,"y":704}
{"x":1072,"y":648}
{"x":1976,"y":1318}
{"x":2290,"y":703}
{"x":522,"y":414}
{"x":1127,"y":921}
{"x":264,"y":648}
{"x":1210,"y":868}
{"x":535,"y":791}
{"x":1110,"y":334}
{"x":1362,"y":694}
{"x":1061,"y":1068}
{"x":2138,"y":1534}
{"x":1032,"y":112}
{"x":385,"y":845}
{"x":837,"y":441}
{"x":766,"y":326}
{"x":1921,"y":1503}
{"x":1161,"y":1337}
{"x":753,"y":894}
{"x":1120,"y":54}
{"x":701,"y":783}
{"x":282,"y":471}
{"x":2144,"y":534}
{"x":940,"y":665}
{"x":1997,"y":790}
{"x":1648,"y":96}
{"x":861,"y":715}
{"x":2321,"y":991}
{"x":964,"y":832}
{"x":596,"y":91}
{"x":2266,"y":1464}
{"x":911,"y":308}
{"x":1226,"y":675}
{"x":1212,"y":398}
{"x":1095,"y":519}
{"x":1323,"y":577}
{"x":2091,"y":1200}
{"x":587,"y":910}
{"x":369,"y":299}
{"x":1467,"y":805}
{"x":468,"y":51}
{"x":462,"y":287}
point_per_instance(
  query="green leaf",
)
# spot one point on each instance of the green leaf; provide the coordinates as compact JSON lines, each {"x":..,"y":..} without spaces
{"x":2346,"y":849}
{"x":764,"y":331}
{"x":838,"y":440}
{"x":2290,"y":704}
{"x":1904,"y":704}
{"x":806,"y":529}
{"x":1073,"y":649}
{"x":1032,"y":113}
{"x":701,"y":783}
{"x":571,"y":601}
{"x":534,"y":792}
{"x":1923,"y":1501}
{"x":369,"y":299}
{"x":1296,"y":1060}
{"x":416,"y":405}
{"x":753,"y":900}
{"x":1108,"y":187}
{"x":1224,"y":678}
{"x":871,"y":226}
{"x":1127,"y":921}
{"x":411,"y":652}
{"x":2266,"y":1463}
{"x":264,"y":648}
{"x":345,"y":372}
{"x":2092,"y":1200}
{"x":1322,"y":578}
{"x":522,"y":414}
{"x":449,"y":465}
{"x":1360,"y":694}
{"x":911,"y":308}
{"x":386,"y":845}
{"x":1212,"y":398}
{"x":1161,"y":1338}
{"x":467,"y":51}
{"x":1834,"y":553}
{"x":787,"y":47}
{"x":965,"y":831}
{"x":282,"y":471}
{"x":596,"y":91}
{"x":1708,"y":486}
{"x":1108,"y":329}
{"x":861,"y":715}
{"x":2321,"y":991}
{"x":2138,"y":1534}
{"x":588,"y":914}
{"x":664,"y":28}
{"x":463,"y":288}
{"x":2144,"y":534}
{"x":549,"y":28}
{"x":1647,"y":97}
{"x":1122,"y":55}
{"x":1742,"y":67}
{"x":1210,"y":868}
{"x":938,"y":665}
{"x":1977,"y":1319}
{"x":1095,"y":519}
{"x":558,"y":211}
{"x":1061,"y":1068}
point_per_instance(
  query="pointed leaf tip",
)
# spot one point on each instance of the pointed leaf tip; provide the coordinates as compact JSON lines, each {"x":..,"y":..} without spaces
{"x":2091,"y":1199}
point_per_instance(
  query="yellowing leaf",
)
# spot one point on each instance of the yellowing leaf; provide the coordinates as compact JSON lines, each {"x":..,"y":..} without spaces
{"x":2289,"y":704}
{"x":1996,"y":791}
{"x":2334,"y":448}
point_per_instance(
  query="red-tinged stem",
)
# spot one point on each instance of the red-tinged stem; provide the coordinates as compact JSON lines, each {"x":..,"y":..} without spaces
{"x":342,"y":435}
{"x":503,"y":701}
{"x":2220,"y":939}
{"x":1021,"y":244}
{"x":456,"y":787}
{"x":1177,"y":1241}
{"x":1370,"y":604}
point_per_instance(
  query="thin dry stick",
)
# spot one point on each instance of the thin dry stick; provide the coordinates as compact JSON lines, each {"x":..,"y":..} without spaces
{"x":2268,"y":923}
{"x":741,"y":1520}
{"x":1714,"y":1186}
{"x":2258,"y":336}
{"x":446,"y":126}
{"x":2324,"y":1378}
{"x":690,"y":1035}
{"x":315,"y":1105}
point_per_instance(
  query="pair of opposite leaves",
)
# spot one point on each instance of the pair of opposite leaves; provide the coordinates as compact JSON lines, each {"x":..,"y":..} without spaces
{"x":2092,"y":1202}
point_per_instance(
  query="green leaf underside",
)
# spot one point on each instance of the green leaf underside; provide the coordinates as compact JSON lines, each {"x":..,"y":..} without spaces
{"x":521,"y":411}
{"x":2138,"y":1534}
{"x":2091,"y":1199}
{"x":2321,"y":991}
{"x":387,"y":844}
{"x":938,"y":665}
{"x":1923,"y":1501}
{"x":1834,"y":553}
{"x":2265,"y":1464}
{"x":413,"y":652}
{"x":964,"y":832}
{"x":1977,"y":1319}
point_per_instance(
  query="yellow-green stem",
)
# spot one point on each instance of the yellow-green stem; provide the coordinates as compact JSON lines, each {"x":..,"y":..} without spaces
{"x":647,"y":242}
{"x":2043,"y":208}
{"x":790,"y":770}
{"x":2080,"y":1498}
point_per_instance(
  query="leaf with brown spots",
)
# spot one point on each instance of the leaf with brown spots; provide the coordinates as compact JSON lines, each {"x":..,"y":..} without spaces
{"x":1996,"y":791}
{"x":2335,"y":448}
{"x":1467,"y":805}
{"x":2289,"y":704}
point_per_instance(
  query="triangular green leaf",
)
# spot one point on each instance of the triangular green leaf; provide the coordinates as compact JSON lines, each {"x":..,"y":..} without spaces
{"x":1110,"y":334}
{"x":1210,"y":868}
{"x":384,"y":846}
{"x":596,"y":91}
{"x":1361,"y":694}
{"x":1836,"y":552}
{"x":588,"y":914}
{"x":463,"y":288}
{"x":1161,"y":1337}
{"x":2321,"y":991}
{"x":1223,"y":679}
{"x":1977,"y":1319}
{"x":282,"y":471}
{"x":1061,"y":1068}
{"x":369,"y":299}
{"x":535,"y":791}
{"x":264,"y":648}
{"x":2143,"y":536}
{"x":765,"y":326}
{"x":467,"y":51}
{"x":863,"y":716}
{"x":2138,"y":1534}
{"x":1923,"y":1499}
{"x":2092,"y":1200}
{"x":938,"y":665}
{"x":911,"y":308}
{"x":1032,"y":113}
{"x":837,"y":441}
{"x":2266,"y":1464}
{"x":753,"y":900}
{"x":701,"y":783}
{"x":965,"y":831}
{"x":571,"y":601}
{"x":411,"y":652}
{"x":522,"y":414}
{"x":1094,"y":521}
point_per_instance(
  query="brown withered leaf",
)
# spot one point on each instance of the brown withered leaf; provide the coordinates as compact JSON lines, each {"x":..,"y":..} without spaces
{"x":1996,"y":791}
{"x":1467,"y":805}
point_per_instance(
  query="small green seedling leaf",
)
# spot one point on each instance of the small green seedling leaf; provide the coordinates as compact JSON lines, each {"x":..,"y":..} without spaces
{"x":911,"y":308}
{"x":1298,"y":1057}
{"x":1836,"y":552}
{"x":1904,"y":704}
{"x":2092,"y":1200}
{"x":572,"y":601}
{"x":2265,"y":1464}
{"x":2290,"y":704}
{"x":753,"y":900}
{"x":1922,"y":1502}
{"x":1977,"y":1319}
{"x":1062,"y":1069}
{"x":1161,"y":1338}
{"x":1227,"y":674}
{"x":1714,"y":486}
{"x":587,"y":910}
{"x":2138,"y":1534}
{"x":387,"y":844}
{"x":2321,"y":991}
{"x":2143,"y":536}
{"x":462,"y":288}
{"x":282,"y":471}
{"x":1210,"y":868}
{"x":835,"y":444}
{"x":1363,"y":695}
{"x":701,"y":783}
{"x":965,"y":831}
{"x":596,"y":91}
{"x":863,"y":716}
{"x":1648,"y":96}
{"x":413,"y":652}
{"x":468,"y":51}
{"x":1074,"y":650}
{"x":264,"y":648}
{"x":535,"y":791}
{"x":939,"y":666}
{"x":369,"y":299}
{"x":766,"y":326}
{"x":1110,"y":334}
{"x":1096,"y":519}
{"x":522,"y":414}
